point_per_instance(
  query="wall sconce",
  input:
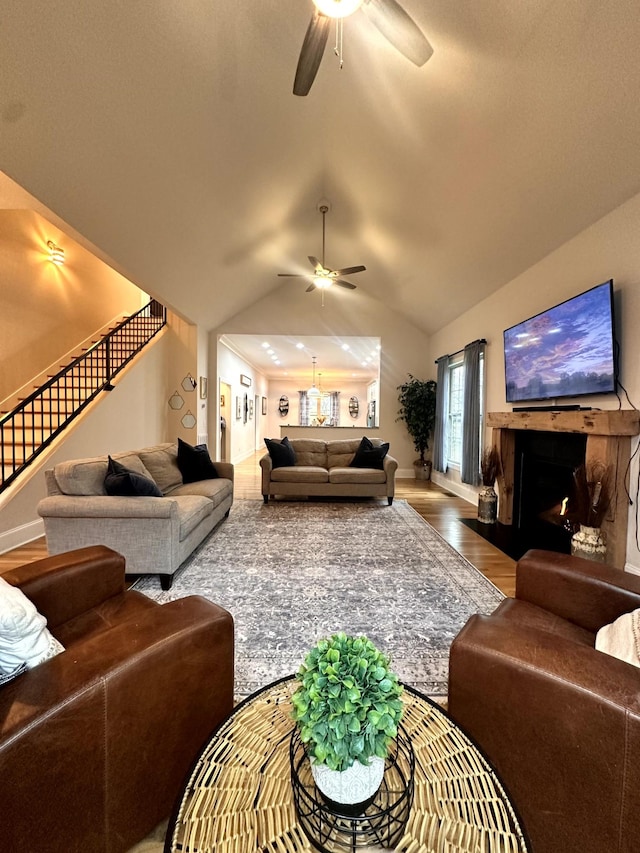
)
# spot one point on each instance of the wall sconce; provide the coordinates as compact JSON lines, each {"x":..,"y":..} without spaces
{"x":56,"y":254}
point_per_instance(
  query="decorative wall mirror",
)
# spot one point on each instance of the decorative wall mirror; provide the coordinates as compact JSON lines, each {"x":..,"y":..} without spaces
{"x":354,"y":407}
{"x":283,"y":406}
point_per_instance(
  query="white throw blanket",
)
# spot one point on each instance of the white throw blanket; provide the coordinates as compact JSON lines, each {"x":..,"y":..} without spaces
{"x":621,"y":638}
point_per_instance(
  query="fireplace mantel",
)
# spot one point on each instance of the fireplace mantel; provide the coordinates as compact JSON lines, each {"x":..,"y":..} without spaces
{"x":608,"y":434}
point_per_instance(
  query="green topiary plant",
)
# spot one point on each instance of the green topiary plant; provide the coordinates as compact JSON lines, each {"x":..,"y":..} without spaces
{"x":417,"y":400}
{"x":347,"y":706}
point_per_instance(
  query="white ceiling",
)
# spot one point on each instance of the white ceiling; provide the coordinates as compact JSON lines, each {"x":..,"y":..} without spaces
{"x":167,"y":134}
{"x":338,"y":360}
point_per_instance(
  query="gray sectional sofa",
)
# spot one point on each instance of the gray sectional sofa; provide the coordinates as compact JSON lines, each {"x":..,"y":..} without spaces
{"x":154,"y":534}
{"x":323,"y":469}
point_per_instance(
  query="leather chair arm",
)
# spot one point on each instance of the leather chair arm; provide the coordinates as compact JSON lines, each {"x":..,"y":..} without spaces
{"x":561,"y":724}
{"x":130,"y":707}
{"x":66,"y":585}
{"x":586,"y":593}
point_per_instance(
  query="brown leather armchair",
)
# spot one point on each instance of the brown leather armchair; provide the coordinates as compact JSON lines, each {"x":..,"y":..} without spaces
{"x":96,"y":742}
{"x":559,"y":720}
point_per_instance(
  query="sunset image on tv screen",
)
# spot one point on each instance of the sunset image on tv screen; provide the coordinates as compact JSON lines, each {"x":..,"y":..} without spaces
{"x":563,"y":352}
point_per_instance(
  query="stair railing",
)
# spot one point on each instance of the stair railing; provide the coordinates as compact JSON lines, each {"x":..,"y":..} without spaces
{"x":32,"y":425}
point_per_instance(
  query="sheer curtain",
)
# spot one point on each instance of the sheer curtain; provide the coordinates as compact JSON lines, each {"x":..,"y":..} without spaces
{"x":303,"y":417}
{"x":470,"y":467}
{"x":442,"y":414}
{"x":335,"y":409}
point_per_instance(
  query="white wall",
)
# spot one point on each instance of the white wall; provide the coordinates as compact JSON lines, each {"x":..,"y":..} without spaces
{"x":608,"y":249}
{"x":245,"y":438}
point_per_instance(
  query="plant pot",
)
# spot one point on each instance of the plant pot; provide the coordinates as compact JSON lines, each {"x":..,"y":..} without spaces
{"x":589,"y":543}
{"x":422,"y":470}
{"x":487,"y":505}
{"x":349,"y":791}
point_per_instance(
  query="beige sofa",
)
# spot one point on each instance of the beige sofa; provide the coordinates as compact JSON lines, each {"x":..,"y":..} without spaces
{"x":322,"y":470}
{"x":154,"y":534}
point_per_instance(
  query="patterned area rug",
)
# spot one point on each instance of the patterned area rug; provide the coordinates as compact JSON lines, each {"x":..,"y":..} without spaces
{"x":293,"y":572}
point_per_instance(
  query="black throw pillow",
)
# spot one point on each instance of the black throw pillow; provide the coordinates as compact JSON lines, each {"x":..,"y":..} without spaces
{"x":195,"y":463}
{"x":370,"y":456}
{"x":122,"y":482}
{"x":281,"y":452}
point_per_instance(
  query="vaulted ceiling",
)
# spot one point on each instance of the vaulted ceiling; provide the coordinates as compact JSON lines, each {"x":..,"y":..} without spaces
{"x":167,"y":134}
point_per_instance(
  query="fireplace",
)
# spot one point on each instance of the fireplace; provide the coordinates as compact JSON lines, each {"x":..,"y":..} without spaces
{"x":543,"y":487}
{"x":600,"y":437}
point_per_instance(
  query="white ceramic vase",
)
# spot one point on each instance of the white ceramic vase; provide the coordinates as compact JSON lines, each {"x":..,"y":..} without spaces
{"x":353,"y":788}
{"x":589,"y":543}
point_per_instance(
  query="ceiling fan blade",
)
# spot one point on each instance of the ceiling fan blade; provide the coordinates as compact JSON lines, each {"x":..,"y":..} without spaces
{"x":399,"y":28}
{"x":311,"y":53}
{"x":349,"y":270}
{"x":292,"y":275}
{"x":342,"y":283}
{"x":315,"y":263}
{"x":310,"y":288}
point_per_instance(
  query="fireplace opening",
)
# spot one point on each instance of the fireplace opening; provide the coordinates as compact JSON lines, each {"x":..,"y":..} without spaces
{"x":545,"y":464}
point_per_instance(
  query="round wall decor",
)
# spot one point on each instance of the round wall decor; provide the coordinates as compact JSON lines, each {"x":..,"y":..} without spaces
{"x":354,"y":407}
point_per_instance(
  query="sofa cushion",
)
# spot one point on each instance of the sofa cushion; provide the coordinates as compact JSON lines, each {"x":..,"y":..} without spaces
{"x":192,"y":509}
{"x":280,"y":451}
{"x":24,"y":636}
{"x":195,"y":463}
{"x":357,"y":475}
{"x":369,"y":455}
{"x":341,"y":451}
{"x":162,"y":463}
{"x":86,"y":476}
{"x":300,"y":474}
{"x":215,"y":490}
{"x":310,"y":452}
{"x":123,"y":482}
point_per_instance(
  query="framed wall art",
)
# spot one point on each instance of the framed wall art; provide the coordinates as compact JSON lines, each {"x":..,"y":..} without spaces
{"x":264,"y":405}
{"x":238,"y":408}
{"x":245,"y":380}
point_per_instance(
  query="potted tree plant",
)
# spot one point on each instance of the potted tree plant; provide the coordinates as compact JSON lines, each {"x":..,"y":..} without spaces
{"x":417,"y":400}
{"x":347,"y":709}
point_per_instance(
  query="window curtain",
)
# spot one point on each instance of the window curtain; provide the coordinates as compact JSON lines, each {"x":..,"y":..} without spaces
{"x":303,"y":407}
{"x":470,"y":468}
{"x":442,"y":414}
{"x":334,"y":418}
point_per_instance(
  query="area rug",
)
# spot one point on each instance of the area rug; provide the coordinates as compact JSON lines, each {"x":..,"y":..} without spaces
{"x":294,"y":572}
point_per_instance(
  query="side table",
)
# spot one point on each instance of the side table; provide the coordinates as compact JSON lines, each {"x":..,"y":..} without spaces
{"x":239,"y":797}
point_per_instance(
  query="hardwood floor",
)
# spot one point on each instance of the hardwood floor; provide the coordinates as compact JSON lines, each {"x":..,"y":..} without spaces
{"x":440,"y":508}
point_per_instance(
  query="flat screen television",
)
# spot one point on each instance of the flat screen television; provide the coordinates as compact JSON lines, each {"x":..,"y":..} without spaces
{"x":566,"y":351}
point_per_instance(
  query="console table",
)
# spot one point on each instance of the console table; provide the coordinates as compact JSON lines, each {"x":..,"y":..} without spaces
{"x":239,"y":797}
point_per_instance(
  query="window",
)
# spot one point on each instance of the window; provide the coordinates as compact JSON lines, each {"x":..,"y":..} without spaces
{"x":456,"y":401}
{"x":456,"y":411}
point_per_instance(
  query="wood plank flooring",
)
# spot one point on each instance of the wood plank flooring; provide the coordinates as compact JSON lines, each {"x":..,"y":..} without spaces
{"x":440,"y":508}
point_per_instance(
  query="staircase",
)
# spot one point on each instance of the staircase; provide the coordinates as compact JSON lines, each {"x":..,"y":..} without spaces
{"x":38,"y":418}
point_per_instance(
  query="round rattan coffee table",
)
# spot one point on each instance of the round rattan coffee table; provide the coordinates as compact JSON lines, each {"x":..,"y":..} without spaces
{"x":239,"y":797}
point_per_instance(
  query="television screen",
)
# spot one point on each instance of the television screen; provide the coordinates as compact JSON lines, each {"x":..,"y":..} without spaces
{"x":566,"y":351}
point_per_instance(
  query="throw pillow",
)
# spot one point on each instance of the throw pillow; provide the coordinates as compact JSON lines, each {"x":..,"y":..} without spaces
{"x":25,"y":641}
{"x":122,"y":482}
{"x":281,"y":452}
{"x":195,"y":463}
{"x":368,"y":455}
{"x":621,"y":638}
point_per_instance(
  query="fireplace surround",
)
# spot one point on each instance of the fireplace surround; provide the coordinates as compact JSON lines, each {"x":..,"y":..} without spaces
{"x":606,"y":437}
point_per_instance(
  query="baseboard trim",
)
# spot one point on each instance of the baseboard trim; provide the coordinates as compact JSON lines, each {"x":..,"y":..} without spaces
{"x":21,"y":535}
{"x":633,"y":570}
{"x":461,"y":490}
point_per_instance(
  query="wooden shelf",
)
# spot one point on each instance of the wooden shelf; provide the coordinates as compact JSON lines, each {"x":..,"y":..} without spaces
{"x":608,"y":422}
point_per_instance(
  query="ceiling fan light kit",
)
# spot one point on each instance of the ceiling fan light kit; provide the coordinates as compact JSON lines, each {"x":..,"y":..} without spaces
{"x":387,"y":16}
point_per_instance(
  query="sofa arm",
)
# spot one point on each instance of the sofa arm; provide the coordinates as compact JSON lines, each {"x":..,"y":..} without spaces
{"x":561,"y":723}
{"x":390,"y":465}
{"x":106,"y":506}
{"x":224,"y":470}
{"x":97,"y":740}
{"x":586,"y":593}
{"x":72,"y":583}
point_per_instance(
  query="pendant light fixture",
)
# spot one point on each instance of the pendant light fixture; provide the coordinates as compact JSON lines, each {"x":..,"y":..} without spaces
{"x":313,"y":391}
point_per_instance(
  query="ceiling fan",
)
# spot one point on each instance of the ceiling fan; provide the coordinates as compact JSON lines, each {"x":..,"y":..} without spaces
{"x":387,"y":15}
{"x":322,"y":276}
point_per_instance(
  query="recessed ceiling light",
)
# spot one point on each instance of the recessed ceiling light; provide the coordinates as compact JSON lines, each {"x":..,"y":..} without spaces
{"x":299,"y":346}
{"x":274,"y":358}
{"x":277,"y":361}
{"x":364,"y":364}
{"x":378,"y":347}
{"x":265,"y":345}
{"x":345,"y":347}
{"x":270,"y":351}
